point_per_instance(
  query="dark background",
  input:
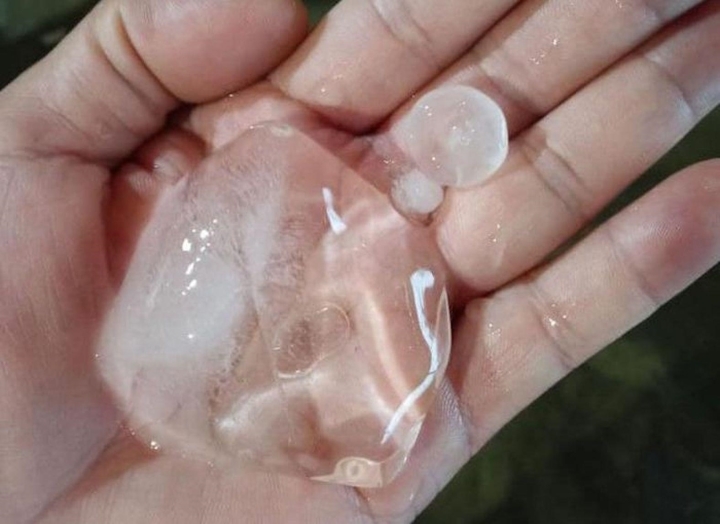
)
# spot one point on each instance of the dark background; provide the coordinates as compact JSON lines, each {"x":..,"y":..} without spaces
{"x":632,"y":437}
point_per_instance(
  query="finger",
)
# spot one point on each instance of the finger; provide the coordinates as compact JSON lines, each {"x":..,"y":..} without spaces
{"x":514,"y":345}
{"x":545,"y":50}
{"x":565,"y":169}
{"x":111,"y":83}
{"x":368,"y":56}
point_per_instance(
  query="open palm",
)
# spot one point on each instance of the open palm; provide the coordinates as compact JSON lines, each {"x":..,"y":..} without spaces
{"x":86,"y":148}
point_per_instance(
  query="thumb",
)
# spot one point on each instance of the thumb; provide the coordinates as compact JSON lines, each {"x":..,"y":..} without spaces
{"x":111,"y":83}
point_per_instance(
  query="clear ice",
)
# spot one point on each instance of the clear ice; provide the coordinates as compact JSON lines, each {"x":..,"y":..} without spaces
{"x":282,"y":312}
{"x":456,"y":136}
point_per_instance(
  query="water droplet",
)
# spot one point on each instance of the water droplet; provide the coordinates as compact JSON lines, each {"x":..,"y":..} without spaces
{"x":282,"y":130}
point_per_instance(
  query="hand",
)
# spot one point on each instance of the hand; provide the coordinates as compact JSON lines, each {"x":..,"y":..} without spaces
{"x":589,"y":109}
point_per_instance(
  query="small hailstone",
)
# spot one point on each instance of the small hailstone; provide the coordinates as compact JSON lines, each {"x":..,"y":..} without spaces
{"x":457,"y":136}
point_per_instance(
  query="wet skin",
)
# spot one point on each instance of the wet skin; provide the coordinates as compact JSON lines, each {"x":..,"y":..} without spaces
{"x":76,"y":198}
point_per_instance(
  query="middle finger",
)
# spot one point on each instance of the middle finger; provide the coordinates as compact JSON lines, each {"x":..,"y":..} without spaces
{"x":545,"y":50}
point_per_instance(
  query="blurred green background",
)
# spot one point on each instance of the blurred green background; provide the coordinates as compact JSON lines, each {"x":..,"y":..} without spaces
{"x":632,"y":437}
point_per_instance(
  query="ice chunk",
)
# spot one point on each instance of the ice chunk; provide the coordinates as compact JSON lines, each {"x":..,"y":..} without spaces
{"x":280,"y":312}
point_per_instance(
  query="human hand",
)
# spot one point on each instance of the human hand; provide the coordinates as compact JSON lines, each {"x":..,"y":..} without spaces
{"x":75,"y":118}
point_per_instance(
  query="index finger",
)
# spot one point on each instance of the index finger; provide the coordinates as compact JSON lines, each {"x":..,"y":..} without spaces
{"x":368,"y":56}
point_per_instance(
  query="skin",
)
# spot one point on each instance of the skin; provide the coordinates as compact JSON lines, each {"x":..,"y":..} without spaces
{"x":86,"y":147}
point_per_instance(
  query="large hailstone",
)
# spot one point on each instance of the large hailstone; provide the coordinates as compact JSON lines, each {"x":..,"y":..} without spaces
{"x":280,"y":312}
